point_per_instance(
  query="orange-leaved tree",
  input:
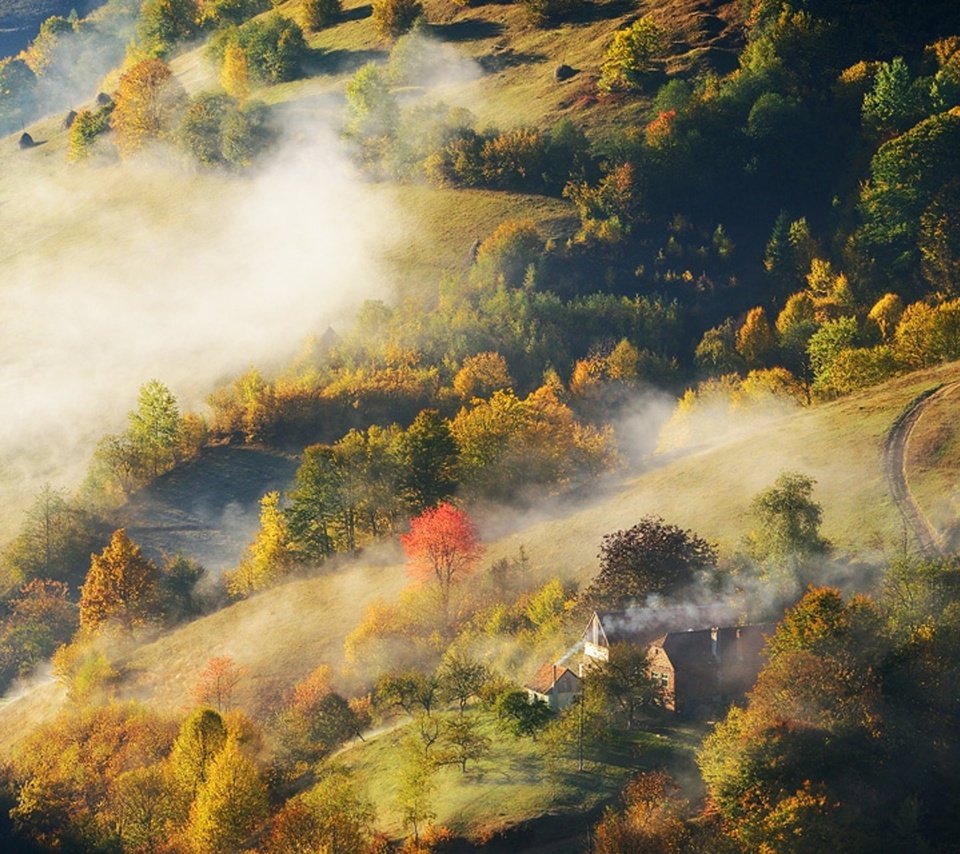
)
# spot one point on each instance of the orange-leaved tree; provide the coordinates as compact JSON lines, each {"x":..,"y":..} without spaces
{"x":216,"y":683}
{"x":121,"y":584}
{"x":442,"y":544}
{"x":149,"y":103}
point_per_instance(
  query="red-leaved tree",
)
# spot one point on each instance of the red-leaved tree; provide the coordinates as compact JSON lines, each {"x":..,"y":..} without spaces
{"x":443,"y":545}
{"x":215,"y":685}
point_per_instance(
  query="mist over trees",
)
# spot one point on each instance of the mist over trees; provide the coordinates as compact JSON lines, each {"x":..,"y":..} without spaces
{"x":748,"y":223}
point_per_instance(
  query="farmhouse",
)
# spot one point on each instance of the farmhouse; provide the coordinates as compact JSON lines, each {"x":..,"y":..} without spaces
{"x":698,"y":669}
{"x":556,"y":685}
{"x":640,"y":626}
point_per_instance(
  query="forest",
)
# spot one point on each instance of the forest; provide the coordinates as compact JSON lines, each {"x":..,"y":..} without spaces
{"x":674,"y":334}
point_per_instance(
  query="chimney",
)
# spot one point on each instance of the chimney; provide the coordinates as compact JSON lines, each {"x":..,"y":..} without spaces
{"x":714,"y":634}
{"x":554,"y":675}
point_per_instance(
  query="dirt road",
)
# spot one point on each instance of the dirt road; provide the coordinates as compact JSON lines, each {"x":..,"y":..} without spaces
{"x":894,"y":467}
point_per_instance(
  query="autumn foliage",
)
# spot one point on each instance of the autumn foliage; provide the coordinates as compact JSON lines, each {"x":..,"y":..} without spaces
{"x":121,"y":584}
{"x":442,"y":545}
{"x":149,"y":103}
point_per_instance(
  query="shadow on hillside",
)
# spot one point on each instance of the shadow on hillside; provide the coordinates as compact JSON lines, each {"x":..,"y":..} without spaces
{"x":356,"y":14}
{"x":343,"y":61}
{"x":499,"y":60}
{"x":591,"y":13}
{"x":470,"y":30}
{"x":208,"y":507}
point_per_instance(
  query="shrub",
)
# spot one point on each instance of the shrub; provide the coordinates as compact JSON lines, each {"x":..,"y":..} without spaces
{"x":86,"y":127}
{"x":550,"y":11}
{"x":392,"y":18}
{"x":515,"y":159}
{"x":509,"y":251}
{"x":220,"y":12}
{"x":630,"y":56}
{"x":273,"y":47}
{"x":316,"y":14}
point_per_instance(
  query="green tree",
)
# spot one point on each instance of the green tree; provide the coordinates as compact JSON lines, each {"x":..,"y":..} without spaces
{"x":273,"y":46}
{"x":429,"y":456}
{"x":788,"y":521}
{"x":462,"y":741}
{"x":895,"y":102}
{"x":795,"y":324}
{"x":907,"y":174}
{"x":54,"y":541}
{"x":460,"y":678}
{"x":651,"y":557}
{"x":522,"y":715}
{"x":507,"y":253}
{"x":245,"y":134}
{"x":826,"y":344}
{"x":140,"y":808}
{"x":164,"y":23}
{"x":87,"y":127}
{"x":230,"y":804}
{"x":372,"y":109}
{"x":315,"y":504}
{"x":939,"y":240}
{"x":625,"y":683}
{"x":407,"y":691}
{"x":716,"y":354}
{"x":199,"y":133}
{"x":417,"y":773}
{"x":226,"y":12}
{"x":631,"y":56}
{"x":121,"y":584}
{"x":155,"y":426}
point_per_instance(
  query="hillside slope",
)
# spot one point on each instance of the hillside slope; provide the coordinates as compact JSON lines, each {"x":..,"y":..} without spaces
{"x":283,"y":633}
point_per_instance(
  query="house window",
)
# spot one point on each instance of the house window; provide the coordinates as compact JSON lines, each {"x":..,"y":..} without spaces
{"x":664,"y":680}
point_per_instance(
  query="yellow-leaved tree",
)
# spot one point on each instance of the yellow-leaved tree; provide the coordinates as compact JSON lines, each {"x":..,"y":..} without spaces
{"x":121,"y":584}
{"x":150,"y":101}
{"x":755,"y":341}
{"x":235,"y":72}
{"x":231,"y":803}
{"x":269,"y":557}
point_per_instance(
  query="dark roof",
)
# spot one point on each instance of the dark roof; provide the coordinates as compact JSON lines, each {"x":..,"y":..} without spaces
{"x":543,"y":680}
{"x":695,"y":649}
{"x":642,"y":625}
